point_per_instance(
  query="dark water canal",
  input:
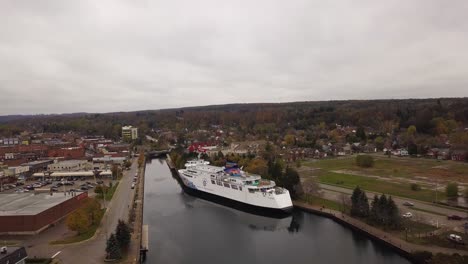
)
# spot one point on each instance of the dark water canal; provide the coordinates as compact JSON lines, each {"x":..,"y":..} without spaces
{"x":185,"y":229}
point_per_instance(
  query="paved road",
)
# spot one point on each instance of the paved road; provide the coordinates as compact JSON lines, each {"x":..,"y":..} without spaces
{"x":334,"y":193}
{"x":118,"y":209}
{"x":91,"y":251}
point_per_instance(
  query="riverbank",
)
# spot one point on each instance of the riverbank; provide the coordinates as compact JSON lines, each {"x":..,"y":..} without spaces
{"x":135,"y":218}
{"x":403,"y":247}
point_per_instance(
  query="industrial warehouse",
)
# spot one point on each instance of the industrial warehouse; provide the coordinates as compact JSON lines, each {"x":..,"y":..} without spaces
{"x":25,"y":213}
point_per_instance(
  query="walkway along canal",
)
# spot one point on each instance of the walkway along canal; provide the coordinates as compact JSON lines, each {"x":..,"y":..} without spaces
{"x":185,"y":229}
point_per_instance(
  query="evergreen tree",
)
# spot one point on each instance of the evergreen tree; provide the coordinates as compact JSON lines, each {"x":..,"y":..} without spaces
{"x":361,"y":134}
{"x":277,"y":170}
{"x":113,"y":248}
{"x":373,"y":216}
{"x":290,"y":180}
{"x":382,"y":212}
{"x":393,"y":214}
{"x":363,"y":205}
{"x":122,"y":234}
{"x":355,"y":201}
{"x":359,"y":203}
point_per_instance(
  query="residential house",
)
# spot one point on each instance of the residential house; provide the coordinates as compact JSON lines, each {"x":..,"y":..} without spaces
{"x":459,"y":155}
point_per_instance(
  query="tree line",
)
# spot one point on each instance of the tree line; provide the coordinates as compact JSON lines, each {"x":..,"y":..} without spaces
{"x":382,"y":211}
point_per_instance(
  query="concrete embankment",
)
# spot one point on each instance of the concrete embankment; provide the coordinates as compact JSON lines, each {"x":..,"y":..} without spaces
{"x":136,"y":216}
{"x":170,"y":163}
{"x":403,"y":247}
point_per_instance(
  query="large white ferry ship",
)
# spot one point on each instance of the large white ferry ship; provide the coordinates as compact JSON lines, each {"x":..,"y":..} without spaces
{"x":234,"y":187}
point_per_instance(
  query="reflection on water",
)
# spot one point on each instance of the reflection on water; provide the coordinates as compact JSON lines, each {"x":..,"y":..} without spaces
{"x":185,"y":229}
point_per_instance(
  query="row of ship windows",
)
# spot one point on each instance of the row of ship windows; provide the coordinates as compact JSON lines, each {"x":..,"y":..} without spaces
{"x":235,"y":187}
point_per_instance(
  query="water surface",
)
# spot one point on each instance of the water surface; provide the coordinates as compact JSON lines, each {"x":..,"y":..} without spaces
{"x":185,"y":229}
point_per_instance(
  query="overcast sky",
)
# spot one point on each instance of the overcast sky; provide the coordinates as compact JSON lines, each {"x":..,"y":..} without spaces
{"x":103,"y":56}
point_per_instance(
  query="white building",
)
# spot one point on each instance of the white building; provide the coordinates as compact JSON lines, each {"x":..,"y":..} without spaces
{"x":70,"y":165}
{"x":129,"y":132}
{"x":16,"y":171}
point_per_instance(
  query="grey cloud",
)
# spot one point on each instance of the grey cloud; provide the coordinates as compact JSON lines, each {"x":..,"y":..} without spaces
{"x":122,"y":55}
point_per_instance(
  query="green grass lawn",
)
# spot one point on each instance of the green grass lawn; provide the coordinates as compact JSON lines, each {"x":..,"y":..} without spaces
{"x":329,"y":204}
{"x":427,"y":211}
{"x":83,"y":236}
{"x":395,"y":167}
{"x":377,"y":185}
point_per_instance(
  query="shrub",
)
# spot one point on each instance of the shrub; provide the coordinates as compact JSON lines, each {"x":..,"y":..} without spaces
{"x":452,"y":190}
{"x":365,"y":161}
{"x":415,"y":187}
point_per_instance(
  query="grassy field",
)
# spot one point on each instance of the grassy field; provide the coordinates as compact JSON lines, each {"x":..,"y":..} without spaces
{"x":314,"y":200}
{"x":427,"y":211}
{"x":439,"y":240}
{"x":81,"y":237}
{"x":398,"y":167}
{"x":377,"y":185}
{"x":415,"y":232}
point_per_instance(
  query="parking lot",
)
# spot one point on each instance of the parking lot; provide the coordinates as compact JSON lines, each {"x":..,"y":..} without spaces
{"x":65,"y":184}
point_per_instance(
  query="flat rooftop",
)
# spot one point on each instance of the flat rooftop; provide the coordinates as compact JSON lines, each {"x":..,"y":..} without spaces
{"x":30,"y":203}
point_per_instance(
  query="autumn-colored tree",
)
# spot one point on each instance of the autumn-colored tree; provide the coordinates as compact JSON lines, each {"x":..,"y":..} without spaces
{"x":92,"y":207}
{"x":290,"y":139}
{"x":411,"y":131}
{"x":78,"y":221}
{"x":258,"y":166}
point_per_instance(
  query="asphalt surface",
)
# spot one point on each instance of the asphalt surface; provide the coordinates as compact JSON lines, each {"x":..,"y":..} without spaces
{"x":93,"y":250}
{"x":332,"y":192}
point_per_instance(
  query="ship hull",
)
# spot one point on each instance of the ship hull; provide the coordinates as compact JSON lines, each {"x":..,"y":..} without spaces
{"x":253,"y":209}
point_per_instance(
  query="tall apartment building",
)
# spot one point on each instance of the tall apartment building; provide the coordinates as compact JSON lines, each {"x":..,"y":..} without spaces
{"x":129,"y":132}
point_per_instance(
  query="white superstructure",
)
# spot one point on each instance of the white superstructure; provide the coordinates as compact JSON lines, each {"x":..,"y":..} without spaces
{"x":235,"y":184}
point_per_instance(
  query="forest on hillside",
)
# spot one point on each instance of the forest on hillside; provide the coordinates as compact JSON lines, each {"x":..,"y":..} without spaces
{"x":430,"y":117}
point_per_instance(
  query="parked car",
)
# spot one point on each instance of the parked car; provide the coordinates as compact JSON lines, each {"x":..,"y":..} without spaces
{"x":456,"y":238}
{"x":100,"y":181}
{"x":53,"y":189}
{"x":84,"y":188}
{"x":408,"y":215}
{"x":454,"y":217}
{"x":133,"y":185}
{"x":408,"y":203}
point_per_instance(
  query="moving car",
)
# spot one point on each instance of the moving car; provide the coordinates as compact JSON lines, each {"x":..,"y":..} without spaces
{"x":408,"y":215}
{"x":454,"y":217}
{"x":408,"y":203}
{"x":456,"y":238}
